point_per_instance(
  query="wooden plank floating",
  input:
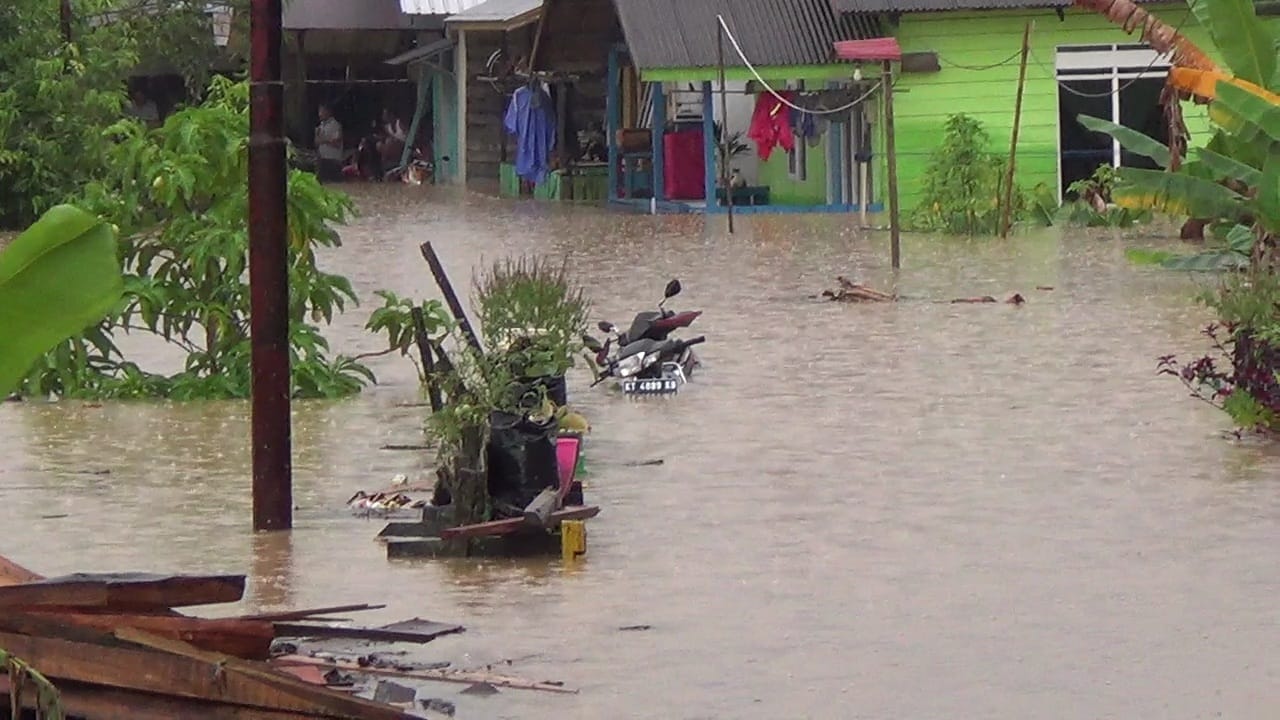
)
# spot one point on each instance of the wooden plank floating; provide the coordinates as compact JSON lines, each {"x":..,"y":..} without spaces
{"x":326,"y":702}
{"x":250,"y":639}
{"x":125,"y":591}
{"x":508,"y":526}
{"x":468,"y":677}
{"x":310,"y":613}
{"x":409,"y":631}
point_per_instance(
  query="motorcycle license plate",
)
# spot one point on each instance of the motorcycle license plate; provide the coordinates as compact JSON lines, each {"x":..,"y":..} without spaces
{"x":650,"y":386}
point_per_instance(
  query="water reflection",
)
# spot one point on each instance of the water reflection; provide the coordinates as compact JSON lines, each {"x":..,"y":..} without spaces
{"x":1004,"y":505}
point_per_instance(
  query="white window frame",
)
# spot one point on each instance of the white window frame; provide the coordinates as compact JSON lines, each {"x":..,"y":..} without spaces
{"x":1119,"y":63}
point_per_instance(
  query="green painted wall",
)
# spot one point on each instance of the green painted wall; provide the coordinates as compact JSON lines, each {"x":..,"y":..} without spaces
{"x":785,"y":190}
{"x":923,"y":101}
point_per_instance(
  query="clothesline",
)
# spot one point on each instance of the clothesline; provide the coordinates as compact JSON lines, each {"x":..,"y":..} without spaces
{"x":765,"y":84}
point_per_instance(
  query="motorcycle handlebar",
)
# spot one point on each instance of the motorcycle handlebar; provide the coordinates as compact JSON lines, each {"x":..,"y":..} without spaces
{"x":695,"y":341}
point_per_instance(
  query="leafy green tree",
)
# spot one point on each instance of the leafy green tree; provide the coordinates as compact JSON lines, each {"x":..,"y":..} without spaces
{"x":179,"y":195}
{"x":57,"y":97}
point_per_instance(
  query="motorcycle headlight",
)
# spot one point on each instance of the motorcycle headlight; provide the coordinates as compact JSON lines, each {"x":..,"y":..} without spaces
{"x":631,"y":365}
{"x":650,"y":359}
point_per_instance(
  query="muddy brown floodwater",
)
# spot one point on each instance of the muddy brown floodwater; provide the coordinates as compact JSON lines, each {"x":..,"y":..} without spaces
{"x":914,"y":510}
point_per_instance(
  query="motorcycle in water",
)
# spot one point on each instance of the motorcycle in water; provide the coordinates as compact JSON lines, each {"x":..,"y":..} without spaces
{"x":647,"y":361}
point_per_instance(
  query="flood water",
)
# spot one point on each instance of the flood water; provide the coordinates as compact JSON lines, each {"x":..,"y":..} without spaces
{"x":911,"y":510}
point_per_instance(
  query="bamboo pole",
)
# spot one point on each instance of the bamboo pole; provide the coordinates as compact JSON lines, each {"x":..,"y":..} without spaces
{"x":269,"y":275}
{"x":724,"y":126}
{"x":1006,"y":218}
{"x":895,"y":229}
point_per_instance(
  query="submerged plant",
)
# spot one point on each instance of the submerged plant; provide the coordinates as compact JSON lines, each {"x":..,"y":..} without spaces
{"x":1093,"y":207}
{"x":963,"y":183}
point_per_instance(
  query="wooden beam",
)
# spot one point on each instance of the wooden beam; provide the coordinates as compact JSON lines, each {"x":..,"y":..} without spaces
{"x":455,"y":676}
{"x":327,"y":702}
{"x":136,"y":669}
{"x":105,"y":703}
{"x":132,"y":591}
{"x":249,"y":639}
{"x":313,"y":612}
{"x":508,"y":526}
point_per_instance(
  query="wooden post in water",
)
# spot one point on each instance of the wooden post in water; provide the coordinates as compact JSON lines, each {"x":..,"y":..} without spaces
{"x":724,"y":127}
{"x":269,"y":275}
{"x":891,"y":151}
{"x":1006,"y":218}
{"x":428,"y":363}
{"x":450,"y":297}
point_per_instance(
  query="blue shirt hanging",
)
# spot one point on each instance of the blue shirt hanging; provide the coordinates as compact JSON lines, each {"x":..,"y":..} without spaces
{"x":530,"y":119}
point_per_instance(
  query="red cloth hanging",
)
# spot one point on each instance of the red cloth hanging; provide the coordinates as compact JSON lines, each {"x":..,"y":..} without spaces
{"x":684,"y":165}
{"x":771,"y":124}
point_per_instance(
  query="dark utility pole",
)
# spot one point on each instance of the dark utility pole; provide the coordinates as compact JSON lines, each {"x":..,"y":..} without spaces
{"x":268,"y":275}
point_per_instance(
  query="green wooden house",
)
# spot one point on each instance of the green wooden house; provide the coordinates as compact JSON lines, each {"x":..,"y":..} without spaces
{"x":962,"y":56}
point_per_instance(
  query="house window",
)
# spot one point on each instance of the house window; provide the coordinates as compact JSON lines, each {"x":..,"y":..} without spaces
{"x":797,"y":161}
{"x":1120,"y":83}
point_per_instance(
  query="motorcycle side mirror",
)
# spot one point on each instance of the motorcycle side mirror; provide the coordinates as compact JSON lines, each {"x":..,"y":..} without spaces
{"x":592,"y":344}
{"x":605,"y":326}
{"x":673,"y":289}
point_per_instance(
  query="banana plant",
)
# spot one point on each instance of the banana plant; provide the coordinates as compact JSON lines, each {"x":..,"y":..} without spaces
{"x":58,"y":277}
{"x":1234,"y":180}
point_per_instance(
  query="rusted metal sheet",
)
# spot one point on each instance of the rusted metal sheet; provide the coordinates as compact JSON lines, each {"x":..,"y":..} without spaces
{"x":125,"y":591}
{"x":410,"y":631}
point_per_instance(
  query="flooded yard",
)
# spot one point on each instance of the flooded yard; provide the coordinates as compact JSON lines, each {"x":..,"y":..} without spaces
{"x":909,"y":510}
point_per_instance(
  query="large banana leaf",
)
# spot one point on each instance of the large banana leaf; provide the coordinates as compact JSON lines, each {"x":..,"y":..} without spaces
{"x":1228,"y":168}
{"x":1129,"y":139}
{"x":57,"y":278}
{"x":1175,"y":194}
{"x":1245,"y":113}
{"x":1245,"y":42}
{"x":1210,"y":261}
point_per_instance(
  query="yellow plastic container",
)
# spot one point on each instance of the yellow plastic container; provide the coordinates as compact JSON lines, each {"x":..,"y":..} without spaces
{"x":573,"y":539}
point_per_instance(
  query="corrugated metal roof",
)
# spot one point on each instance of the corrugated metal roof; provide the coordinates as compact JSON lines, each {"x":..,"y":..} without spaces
{"x":343,"y":15}
{"x":422,"y":52}
{"x":496,"y":11}
{"x":907,"y":6}
{"x":682,"y":33}
{"x":436,"y":7}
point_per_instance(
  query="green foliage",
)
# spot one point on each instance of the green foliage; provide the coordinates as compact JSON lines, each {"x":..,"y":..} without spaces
{"x":963,"y":183}
{"x":395,"y":320}
{"x":1130,"y":139}
{"x":1246,"y":43}
{"x":180,"y":197}
{"x":533,"y":313}
{"x":21,"y":675}
{"x":1093,"y":207}
{"x":1044,"y":204}
{"x":56,"y":98}
{"x":57,"y":278}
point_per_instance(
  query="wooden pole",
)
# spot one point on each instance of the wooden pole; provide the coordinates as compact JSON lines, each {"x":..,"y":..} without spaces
{"x":64,"y":20}
{"x":450,"y":297}
{"x":895,"y":229}
{"x":428,"y":363}
{"x":724,"y":126}
{"x":269,"y":275}
{"x":1007,"y":205}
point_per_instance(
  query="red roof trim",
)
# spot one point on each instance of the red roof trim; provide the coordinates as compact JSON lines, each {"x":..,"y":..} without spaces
{"x":873,"y":49}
